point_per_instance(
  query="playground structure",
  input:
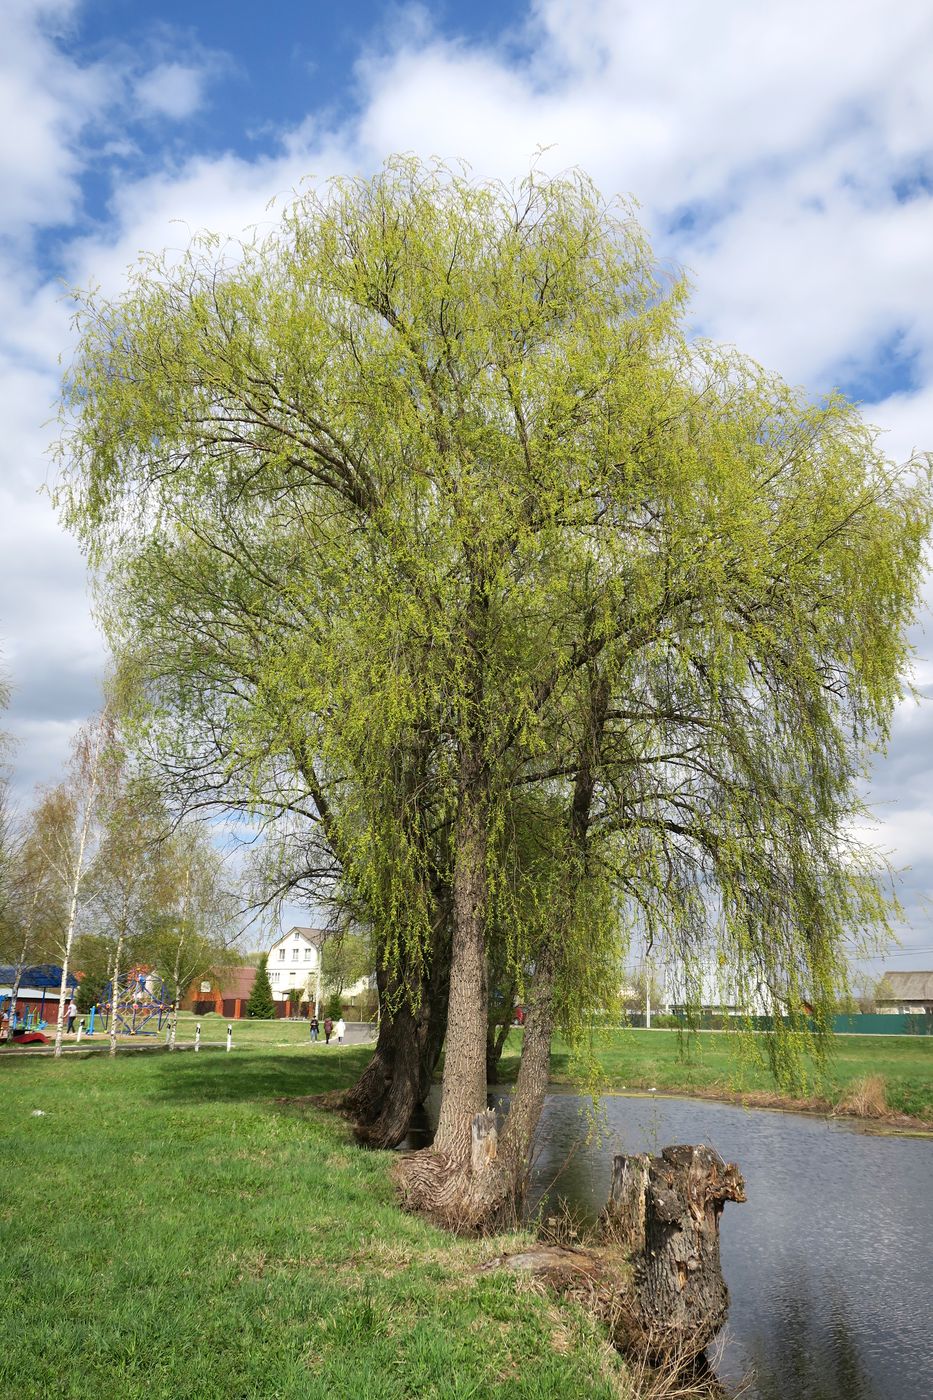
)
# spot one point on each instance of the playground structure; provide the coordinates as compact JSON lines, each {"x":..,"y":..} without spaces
{"x":39,"y":987}
{"x":138,"y":1003}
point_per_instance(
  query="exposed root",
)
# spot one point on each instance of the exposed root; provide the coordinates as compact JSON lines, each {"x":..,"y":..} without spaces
{"x":461,"y":1201}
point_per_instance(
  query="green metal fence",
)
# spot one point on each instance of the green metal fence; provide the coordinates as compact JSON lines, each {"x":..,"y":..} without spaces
{"x":880,"y":1024}
{"x":860,"y":1024}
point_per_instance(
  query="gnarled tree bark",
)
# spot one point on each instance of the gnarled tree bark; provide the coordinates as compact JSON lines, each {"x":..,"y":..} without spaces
{"x":455,"y":1182}
{"x":668,"y":1209}
{"x":411,"y":1034}
{"x":535,"y":1065}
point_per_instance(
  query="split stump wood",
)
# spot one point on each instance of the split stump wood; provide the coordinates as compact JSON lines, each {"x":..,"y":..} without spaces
{"x":666,"y":1211}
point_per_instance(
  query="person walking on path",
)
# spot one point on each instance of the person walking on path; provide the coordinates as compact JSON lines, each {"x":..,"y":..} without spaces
{"x":328,"y":1029}
{"x":341,"y":1029}
{"x":71,"y":1011}
{"x":314,"y":1027}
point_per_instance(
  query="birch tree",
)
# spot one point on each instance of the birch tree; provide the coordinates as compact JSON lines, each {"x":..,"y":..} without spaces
{"x":423,"y":522}
{"x":124,"y":881}
{"x":69,"y":837}
{"x":202,"y":923}
{"x":33,"y":914}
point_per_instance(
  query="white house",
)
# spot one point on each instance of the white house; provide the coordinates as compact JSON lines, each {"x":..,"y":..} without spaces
{"x":294,"y":961}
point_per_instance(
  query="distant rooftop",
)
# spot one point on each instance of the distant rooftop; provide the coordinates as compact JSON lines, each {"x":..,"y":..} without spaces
{"x":909,"y":986}
{"x":317,"y":936}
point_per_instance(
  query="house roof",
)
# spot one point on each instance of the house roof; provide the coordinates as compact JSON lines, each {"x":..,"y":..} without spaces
{"x":236,"y":981}
{"x":229,"y":982}
{"x":315,"y":936}
{"x":909,"y":986}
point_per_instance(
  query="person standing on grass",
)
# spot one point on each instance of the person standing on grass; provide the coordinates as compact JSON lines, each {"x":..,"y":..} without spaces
{"x":341,"y":1030}
{"x":328,"y":1029}
{"x":314,"y":1027}
{"x":71,"y":1012}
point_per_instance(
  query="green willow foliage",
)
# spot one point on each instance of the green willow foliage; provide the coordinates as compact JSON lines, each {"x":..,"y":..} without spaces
{"x":420,"y":471}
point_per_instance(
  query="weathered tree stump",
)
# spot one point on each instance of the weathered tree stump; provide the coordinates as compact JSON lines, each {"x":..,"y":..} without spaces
{"x":668,"y":1207}
{"x":623,"y":1219}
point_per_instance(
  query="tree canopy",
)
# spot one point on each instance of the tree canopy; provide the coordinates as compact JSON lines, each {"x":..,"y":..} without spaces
{"x":423,"y":525}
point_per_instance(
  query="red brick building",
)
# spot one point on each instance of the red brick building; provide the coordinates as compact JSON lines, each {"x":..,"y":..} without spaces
{"x":225,"y":990}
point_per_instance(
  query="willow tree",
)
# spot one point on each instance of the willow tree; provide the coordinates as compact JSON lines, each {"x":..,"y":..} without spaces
{"x":422,"y":523}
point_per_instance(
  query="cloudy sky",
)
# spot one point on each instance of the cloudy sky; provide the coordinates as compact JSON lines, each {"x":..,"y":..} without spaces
{"x":782,"y":154}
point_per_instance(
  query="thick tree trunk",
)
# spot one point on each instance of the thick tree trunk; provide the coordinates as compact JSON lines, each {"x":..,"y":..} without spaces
{"x":459,"y":1180}
{"x":534,"y":1069}
{"x":386,"y":1095}
{"x":667,"y":1209}
{"x":533,"y":1075}
{"x":408,"y":1047}
{"x":435,"y":1028}
{"x":464,"y":1092}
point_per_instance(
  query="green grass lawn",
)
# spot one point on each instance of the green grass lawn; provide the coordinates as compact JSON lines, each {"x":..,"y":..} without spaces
{"x":721,"y":1061}
{"x":168,"y":1230}
{"x":245,"y":1032}
{"x":709,"y":1062}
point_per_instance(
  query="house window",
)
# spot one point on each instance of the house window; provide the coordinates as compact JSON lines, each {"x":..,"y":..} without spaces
{"x":282,"y":954}
{"x":307,"y":955}
{"x":295,"y":952}
{"x":273,"y":976}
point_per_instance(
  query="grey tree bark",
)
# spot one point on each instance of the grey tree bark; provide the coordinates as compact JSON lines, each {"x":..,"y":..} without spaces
{"x":668,"y":1208}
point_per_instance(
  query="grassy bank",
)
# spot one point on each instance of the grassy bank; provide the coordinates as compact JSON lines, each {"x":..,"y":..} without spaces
{"x":719,"y":1063}
{"x":168,"y":1230}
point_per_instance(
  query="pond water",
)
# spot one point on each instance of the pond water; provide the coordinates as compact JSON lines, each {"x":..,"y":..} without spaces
{"x":829,"y":1263}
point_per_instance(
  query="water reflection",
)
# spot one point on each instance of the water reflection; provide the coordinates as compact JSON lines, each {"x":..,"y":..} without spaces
{"x":810,"y":1349}
{"x":828,"y":1264}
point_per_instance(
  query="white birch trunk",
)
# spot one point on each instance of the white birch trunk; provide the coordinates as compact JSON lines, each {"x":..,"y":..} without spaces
{"x":176,"y":976}
{"x":113,"y":996}
{"x":173,"y":1024}
{"x":77,"y":875}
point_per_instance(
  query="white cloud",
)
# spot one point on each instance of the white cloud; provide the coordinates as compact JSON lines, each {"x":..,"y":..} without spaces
{"x":906,"y":836}
{"x":906,"y":419}
{"x":46,"y":102}
{"x":782,"y":129}
{"x":49,"y":646}
{"x":173,"y":90}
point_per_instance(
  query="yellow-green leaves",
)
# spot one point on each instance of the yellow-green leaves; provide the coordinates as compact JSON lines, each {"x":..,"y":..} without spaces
{"x":420,"y":468}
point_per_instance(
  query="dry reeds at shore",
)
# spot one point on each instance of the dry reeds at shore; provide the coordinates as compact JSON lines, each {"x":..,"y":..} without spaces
{"x":866,"y":1098}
